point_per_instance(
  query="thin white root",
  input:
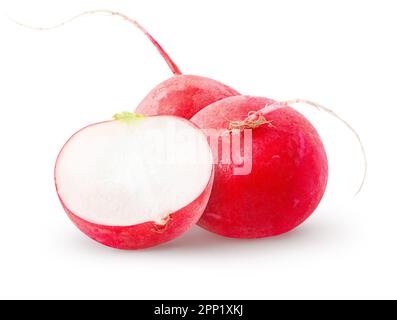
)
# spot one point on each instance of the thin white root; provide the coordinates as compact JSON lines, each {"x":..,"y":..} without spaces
{"x":174,"y":68}
{"x":332,"y":113}
{"x":61,"y":24}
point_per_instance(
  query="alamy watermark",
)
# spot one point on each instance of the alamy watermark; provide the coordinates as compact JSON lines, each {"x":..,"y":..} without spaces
{"x":229,"y":148}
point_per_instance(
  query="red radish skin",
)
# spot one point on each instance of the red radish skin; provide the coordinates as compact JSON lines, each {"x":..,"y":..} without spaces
{"x":184,"y":96}
{"x":288,"y":178}
{"x":144,"y":235}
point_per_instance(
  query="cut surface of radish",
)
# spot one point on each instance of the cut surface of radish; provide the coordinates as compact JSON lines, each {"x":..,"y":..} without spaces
{"x":134,"y":171}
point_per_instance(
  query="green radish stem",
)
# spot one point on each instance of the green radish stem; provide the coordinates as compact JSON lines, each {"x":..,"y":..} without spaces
{"x":127,"y":117}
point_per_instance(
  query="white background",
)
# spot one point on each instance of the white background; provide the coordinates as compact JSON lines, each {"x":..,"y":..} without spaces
{"x":340,"y":53}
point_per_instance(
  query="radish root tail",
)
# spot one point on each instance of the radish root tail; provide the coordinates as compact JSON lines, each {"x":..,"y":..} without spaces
{"x":171,"y":64}
{"x":332,"y":113}
{"x":257,"y":118}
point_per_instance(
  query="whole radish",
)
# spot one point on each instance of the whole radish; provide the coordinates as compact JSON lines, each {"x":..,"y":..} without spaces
{"x":288,"y":168}
{"x":135,"y":182}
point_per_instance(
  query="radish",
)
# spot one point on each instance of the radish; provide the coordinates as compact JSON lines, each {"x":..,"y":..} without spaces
{"x":289,"y":169}
{"x":135,"y":182}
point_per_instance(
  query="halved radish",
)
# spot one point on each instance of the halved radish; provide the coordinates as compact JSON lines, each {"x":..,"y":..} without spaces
{"x":137,"y":181}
